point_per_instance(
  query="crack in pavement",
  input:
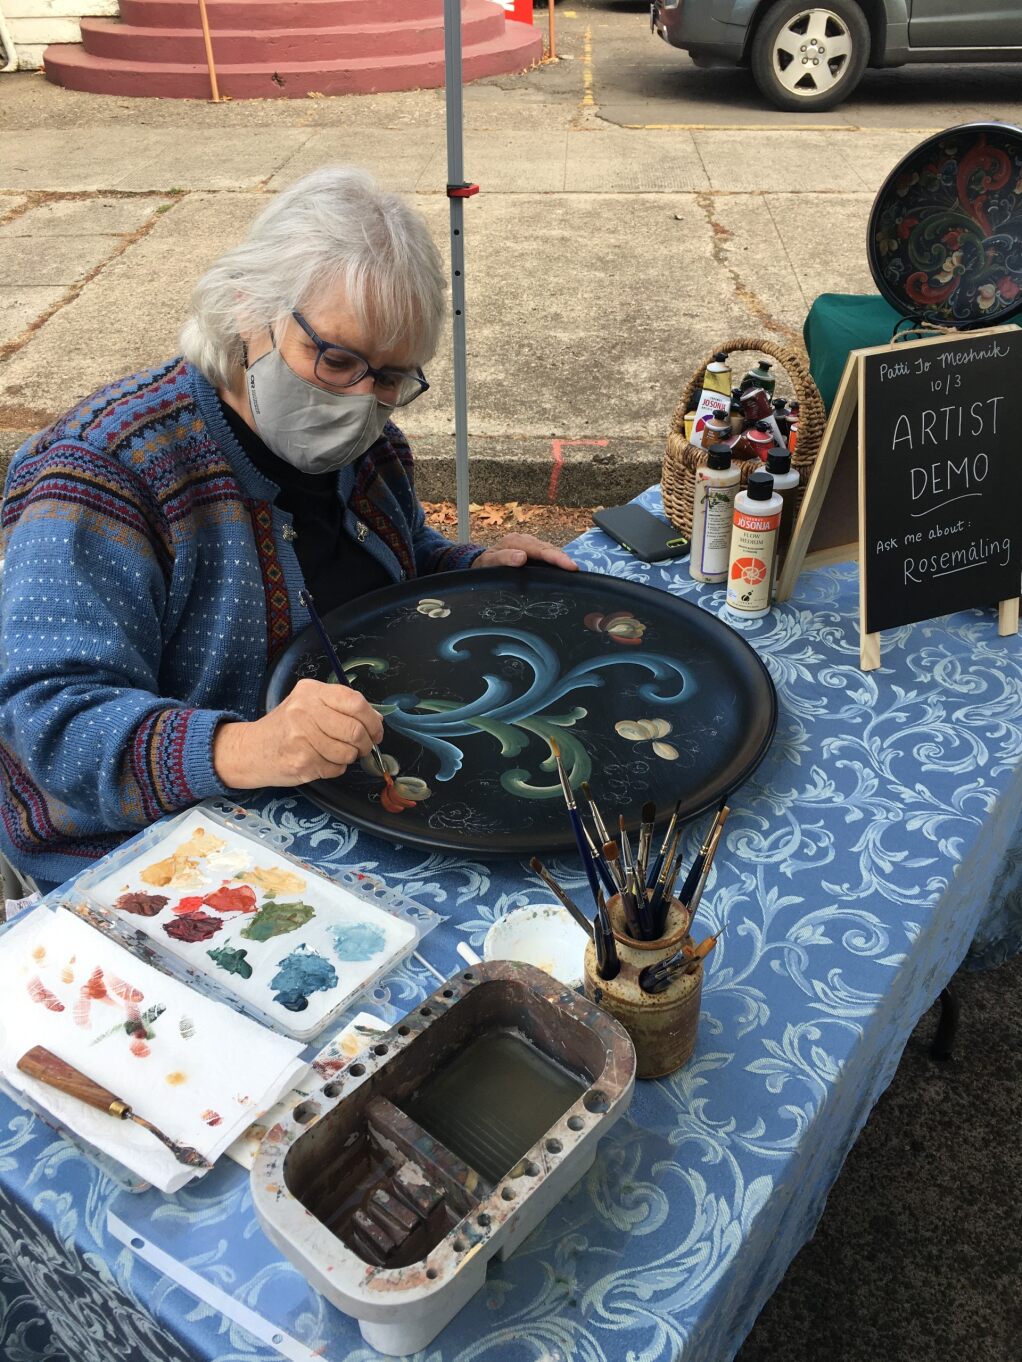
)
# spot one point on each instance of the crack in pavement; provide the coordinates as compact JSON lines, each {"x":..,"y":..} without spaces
{"x":127,"y":240}
{"x":720,"y":235}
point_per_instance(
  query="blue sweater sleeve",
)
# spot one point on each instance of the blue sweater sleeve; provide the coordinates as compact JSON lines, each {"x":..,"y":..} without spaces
{"x":87,"y":557}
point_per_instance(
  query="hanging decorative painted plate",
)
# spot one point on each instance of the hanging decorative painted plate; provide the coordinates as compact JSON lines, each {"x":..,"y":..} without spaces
{"x":480,"y":674}
{"x":945,"y":233}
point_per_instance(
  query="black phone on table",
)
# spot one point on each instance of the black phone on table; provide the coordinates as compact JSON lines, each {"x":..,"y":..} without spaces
{"x":642,"y":533}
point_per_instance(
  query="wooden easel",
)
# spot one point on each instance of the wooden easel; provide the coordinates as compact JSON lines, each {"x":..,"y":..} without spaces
{"x":831,"y":520}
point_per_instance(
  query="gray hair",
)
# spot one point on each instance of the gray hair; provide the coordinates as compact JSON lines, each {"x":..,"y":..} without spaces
{"x":334,"y":228}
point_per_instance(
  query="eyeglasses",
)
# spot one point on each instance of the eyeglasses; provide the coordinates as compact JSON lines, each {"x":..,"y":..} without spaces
{"x":339,"y":368}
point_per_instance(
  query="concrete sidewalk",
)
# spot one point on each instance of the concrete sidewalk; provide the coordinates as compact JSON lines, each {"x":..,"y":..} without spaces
{"x":604,"y":263}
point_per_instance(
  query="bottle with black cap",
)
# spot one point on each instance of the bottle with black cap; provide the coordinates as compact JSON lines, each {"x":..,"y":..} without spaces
{"x":786,"y":482}
{"x":717,"y":378}
{"x":757,"y":519}
{"x":713,"y":506}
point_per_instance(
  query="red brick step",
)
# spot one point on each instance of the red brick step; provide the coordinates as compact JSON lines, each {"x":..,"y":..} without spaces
{"x":268,"y":49}
{"x":70,"y":65}
{"x":483,"y":22}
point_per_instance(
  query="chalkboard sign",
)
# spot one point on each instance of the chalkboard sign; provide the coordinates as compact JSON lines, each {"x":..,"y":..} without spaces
{"x":940,"y":477}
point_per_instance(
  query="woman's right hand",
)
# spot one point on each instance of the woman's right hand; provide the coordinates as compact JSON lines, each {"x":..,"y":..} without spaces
{"x":317,"y":732}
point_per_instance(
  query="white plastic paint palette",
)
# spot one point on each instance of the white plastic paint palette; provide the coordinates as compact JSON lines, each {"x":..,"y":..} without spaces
{"x":291,"y":945}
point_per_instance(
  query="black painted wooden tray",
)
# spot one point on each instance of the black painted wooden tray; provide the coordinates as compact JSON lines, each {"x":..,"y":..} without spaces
{"x":477,"y":672}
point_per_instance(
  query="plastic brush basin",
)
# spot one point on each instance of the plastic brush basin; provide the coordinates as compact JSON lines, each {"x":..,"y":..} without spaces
{"x":441,"y":1145}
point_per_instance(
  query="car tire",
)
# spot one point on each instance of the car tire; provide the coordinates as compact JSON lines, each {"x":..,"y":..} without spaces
{"x":808,"y":56}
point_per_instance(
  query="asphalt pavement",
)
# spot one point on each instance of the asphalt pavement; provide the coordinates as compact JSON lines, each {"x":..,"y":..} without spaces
{"x":635,"y":212}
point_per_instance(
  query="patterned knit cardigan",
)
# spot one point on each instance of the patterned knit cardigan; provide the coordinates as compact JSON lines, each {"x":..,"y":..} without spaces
{"x":147,"y":583}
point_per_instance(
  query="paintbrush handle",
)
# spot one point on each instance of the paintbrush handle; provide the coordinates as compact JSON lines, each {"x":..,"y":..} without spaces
{"x":583,"y":850}
{"x":44,"y":1066}
{"x":343,"y":679}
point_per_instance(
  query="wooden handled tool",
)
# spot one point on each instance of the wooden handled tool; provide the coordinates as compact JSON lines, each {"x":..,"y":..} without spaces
{"x":48,"y":1068}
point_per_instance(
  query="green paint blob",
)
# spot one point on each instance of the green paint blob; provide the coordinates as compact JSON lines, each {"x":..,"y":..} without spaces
{"x":232,"y":960}
{"x":275,"y":919}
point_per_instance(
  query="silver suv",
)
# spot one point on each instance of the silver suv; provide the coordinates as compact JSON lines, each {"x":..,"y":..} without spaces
{"x":812,"y":56}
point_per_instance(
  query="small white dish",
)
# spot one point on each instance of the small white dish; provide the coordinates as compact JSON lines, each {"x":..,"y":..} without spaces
{"x":541,"y":934}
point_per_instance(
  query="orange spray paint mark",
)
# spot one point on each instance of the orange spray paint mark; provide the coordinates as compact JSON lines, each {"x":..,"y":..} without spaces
{"x":39,"y":953}
{"x":177,"y":1078}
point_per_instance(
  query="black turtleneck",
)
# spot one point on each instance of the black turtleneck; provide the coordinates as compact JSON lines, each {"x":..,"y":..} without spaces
{"x":335,"y":568}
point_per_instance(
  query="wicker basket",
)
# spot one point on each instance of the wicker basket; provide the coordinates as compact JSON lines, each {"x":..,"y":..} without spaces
{"x":681,"y":459}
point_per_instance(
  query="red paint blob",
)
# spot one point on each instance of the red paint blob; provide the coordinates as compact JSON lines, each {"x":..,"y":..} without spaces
{"x":212,"y":1118}
{"x":241,"y":899}
{"x":193,"y":927}
{"x":95,"y":987}
{"x":393,"y":802}
{"x":188,"y":905}
{"x":39,"y":993}
{"x":139,"y":1048}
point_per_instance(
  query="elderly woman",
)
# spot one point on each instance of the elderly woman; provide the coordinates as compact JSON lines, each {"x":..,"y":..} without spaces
{"x":157,"y":536}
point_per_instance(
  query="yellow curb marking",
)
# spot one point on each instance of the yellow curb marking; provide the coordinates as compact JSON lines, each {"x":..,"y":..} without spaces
{"x":588,"y":101}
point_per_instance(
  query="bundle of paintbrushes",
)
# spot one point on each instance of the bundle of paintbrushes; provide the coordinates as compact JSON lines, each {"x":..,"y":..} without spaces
{"x":645,"y":883}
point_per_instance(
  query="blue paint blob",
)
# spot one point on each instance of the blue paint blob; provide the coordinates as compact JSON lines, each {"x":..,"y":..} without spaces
{"x":301,"y":973}
{"x":358,"y":941}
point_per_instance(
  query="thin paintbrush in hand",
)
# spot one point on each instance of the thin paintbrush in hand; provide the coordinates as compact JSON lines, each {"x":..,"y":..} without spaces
{"x":569,"y":903}
{"x":338,"y":671}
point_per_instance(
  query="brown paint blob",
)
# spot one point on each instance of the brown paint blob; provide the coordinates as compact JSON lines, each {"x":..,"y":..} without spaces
{"x":193,"y":927}
{"x":143,"y":905}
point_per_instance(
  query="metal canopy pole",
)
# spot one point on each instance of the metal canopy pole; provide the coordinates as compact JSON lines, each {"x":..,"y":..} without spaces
{"x":457,"y":192}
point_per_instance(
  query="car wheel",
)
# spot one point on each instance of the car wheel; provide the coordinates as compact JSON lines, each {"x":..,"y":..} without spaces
{"x":810,"y":56}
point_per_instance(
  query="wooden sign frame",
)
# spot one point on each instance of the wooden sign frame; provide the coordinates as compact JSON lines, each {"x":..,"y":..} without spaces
{"x":849,"y":401}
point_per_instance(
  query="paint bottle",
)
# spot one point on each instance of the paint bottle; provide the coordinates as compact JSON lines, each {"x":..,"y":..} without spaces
{"x":760,"y":377}
{"x":716,"y":429}
{"x":690,"y":422}
{"x":786,"y":482}
{"x":737,"y":415}
{"x":757,"y":519}
{"x":781,"y":420}
{"x":717,"y":378}
{"x":755,"y":404}
{"x":761,"y":438}
{"x":793,"y":437}
{"x":713,"y":507}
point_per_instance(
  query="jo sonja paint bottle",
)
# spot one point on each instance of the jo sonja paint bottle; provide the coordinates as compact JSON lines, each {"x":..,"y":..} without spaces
{"x":786,"y":482}
{"x":713,"y":507}
{"x":757,"y":519}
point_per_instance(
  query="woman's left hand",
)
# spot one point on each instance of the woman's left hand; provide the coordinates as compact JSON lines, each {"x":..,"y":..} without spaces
{"x":515,"y":550}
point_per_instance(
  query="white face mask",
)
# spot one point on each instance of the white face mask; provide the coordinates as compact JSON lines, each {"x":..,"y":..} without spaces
{"x":307,"y":426}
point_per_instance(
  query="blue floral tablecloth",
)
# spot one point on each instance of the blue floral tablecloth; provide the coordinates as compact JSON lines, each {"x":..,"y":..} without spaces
{"x":878,"y":840}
